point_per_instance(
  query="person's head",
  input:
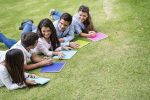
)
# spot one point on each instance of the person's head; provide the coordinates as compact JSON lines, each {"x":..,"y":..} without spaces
{"x":47,"y":30}
{"x":29,"y":40}
{"x":14,"y":62}
{"x":65,"y":21}
{"x":83,"y":13}
{"x":85,"y":17}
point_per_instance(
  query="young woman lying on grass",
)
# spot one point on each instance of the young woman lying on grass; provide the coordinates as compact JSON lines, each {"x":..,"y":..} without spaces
{"x":82,"y":21}
{"x":48,"y":43}
{"x":12,"y":73}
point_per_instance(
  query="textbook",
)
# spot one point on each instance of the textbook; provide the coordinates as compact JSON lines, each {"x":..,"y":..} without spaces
{"x":40,"y":80}
{"x":54,"y":67}
{"x":67,"y":54}
{"x":82,"y":43}
{"x":99,"y":36}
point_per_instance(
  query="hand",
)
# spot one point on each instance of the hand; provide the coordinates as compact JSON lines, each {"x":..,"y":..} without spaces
{"x":91,"y":34}
{"x":61,"y":40}
{"x":31,"y":82}
{"x":67,"y":48}
{"x":46,"y":62}
{"x":73,"y":45}
{"x":45,"y":57}
{"x":60,"y":55}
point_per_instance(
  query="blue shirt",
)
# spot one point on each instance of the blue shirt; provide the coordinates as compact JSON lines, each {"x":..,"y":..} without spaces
{"x":67,"y":35}
{"x":78,"y":25}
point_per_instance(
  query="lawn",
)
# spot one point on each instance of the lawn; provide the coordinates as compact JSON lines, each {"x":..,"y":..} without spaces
{"x":116,"y":68}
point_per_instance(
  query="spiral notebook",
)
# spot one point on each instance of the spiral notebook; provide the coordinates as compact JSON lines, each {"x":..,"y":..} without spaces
{"x":40,"y":80}
{"x":54,"y":67}
{"x":82,"y":43}
{"x":67,"y":54}
{"x":99,"y":36}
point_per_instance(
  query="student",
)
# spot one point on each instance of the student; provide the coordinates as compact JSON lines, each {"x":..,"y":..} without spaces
{"x":29,"y":41}
{"x":48,"y":43}
{"x":12,"y":73}
{"x":8,"y":42}
{"x":82,"y":21}
{"x":65,"y":30}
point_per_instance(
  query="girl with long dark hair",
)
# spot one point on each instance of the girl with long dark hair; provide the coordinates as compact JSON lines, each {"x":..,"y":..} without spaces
{"x":12,"y":73}
{"x":82,"y":21}
{"x":48,"y":41}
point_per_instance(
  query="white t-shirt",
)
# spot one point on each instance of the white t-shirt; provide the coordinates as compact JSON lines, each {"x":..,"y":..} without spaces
{"x":2,"y":56}
{"x":27,"y":54}
{"x":6,"y":80}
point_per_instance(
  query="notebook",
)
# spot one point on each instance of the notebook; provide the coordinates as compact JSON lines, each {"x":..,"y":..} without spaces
{"x":82,"y":43}
{"x":54,"y":67}
{"x":99,"y":36}
{"x":40,"y":80}
{"x":67,"y":54}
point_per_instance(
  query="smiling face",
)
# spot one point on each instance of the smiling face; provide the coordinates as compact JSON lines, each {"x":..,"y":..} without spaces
{"x":46,"y":32}
{"x":63,"y":24}
{"x":83,"y":16}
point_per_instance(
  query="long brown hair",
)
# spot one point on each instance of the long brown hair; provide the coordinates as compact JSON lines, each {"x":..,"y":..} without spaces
{"x":14,"y":62}
{"x":88,"y":22}
{"x":53,"y":37}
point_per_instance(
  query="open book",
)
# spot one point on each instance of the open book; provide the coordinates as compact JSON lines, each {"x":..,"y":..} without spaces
{"x":98,"y":36}
{"x":82,"y":43}
{"x":54,"y":67}
{"x":67,"y":54}
{"x":40,"y":80}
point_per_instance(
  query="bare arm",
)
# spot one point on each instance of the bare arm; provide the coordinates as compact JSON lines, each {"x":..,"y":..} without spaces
{"x":39,"y":62}
{"x":35,"y":58}
{"x":32,"y":66}
{"x":87,"y":34}
{"x":84,"y":35}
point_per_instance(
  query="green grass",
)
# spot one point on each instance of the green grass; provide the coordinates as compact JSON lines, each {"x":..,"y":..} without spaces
{"x":117,"y":68}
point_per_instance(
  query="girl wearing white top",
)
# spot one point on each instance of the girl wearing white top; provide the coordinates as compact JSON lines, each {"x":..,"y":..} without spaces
{"x":48,"y":43}
{"x":12,"y":72}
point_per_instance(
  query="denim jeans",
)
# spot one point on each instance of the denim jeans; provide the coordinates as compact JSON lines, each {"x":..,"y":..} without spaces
{"x":56,"y":15}
{"x":28,"y":27}
{"x":8,"y":42}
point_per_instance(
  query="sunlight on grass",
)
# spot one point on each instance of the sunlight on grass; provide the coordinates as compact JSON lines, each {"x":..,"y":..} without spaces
{"x":116,"y":68}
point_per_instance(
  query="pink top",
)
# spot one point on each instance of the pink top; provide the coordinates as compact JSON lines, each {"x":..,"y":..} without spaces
{"x":43,"y":47}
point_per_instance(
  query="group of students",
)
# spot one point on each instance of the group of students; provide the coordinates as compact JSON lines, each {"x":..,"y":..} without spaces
{"x":47,"y":38}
